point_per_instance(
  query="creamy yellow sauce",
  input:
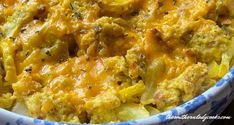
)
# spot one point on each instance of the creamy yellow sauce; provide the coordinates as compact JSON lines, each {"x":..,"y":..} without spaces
{"x":102,"y":61}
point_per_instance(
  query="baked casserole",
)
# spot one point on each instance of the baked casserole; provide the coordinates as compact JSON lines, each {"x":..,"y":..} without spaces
{"x":102,"y":61}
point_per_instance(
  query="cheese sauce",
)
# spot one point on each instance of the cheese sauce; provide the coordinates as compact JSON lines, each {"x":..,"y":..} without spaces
{"x":102,"y":61}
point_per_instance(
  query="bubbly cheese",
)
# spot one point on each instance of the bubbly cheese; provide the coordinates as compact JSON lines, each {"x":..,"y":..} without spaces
{"x":102,"y":61}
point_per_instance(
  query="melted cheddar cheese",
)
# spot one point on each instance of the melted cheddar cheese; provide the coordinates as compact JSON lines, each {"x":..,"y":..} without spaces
{"x":102,"y":61}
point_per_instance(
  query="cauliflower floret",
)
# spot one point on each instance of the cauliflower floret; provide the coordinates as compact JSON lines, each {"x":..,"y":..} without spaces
{"x":26,"y":85}
{"x":108,"y":26}
{"x":115,"y":64}
{"x":136,"y":62}
{"x":190,"y":81}
{"x":209,"y":41}
{"x":182,"y":88}
{"x":56,"y":107}
{"x":103,"y":38}
{"x":101,"y":107}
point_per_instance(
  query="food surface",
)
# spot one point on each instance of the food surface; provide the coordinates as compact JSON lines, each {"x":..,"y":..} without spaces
{"x":102,"y":61}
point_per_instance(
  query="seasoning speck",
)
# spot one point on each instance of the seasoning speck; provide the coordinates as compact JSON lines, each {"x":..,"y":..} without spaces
{"x":48,"y":53}
{"x":12,"y":38}
{"x":27,"y":54}
{"x":119,"y":83}
{"x":77,"y":15}
{"x":29,"y":69}
{"x":90,"y":86}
